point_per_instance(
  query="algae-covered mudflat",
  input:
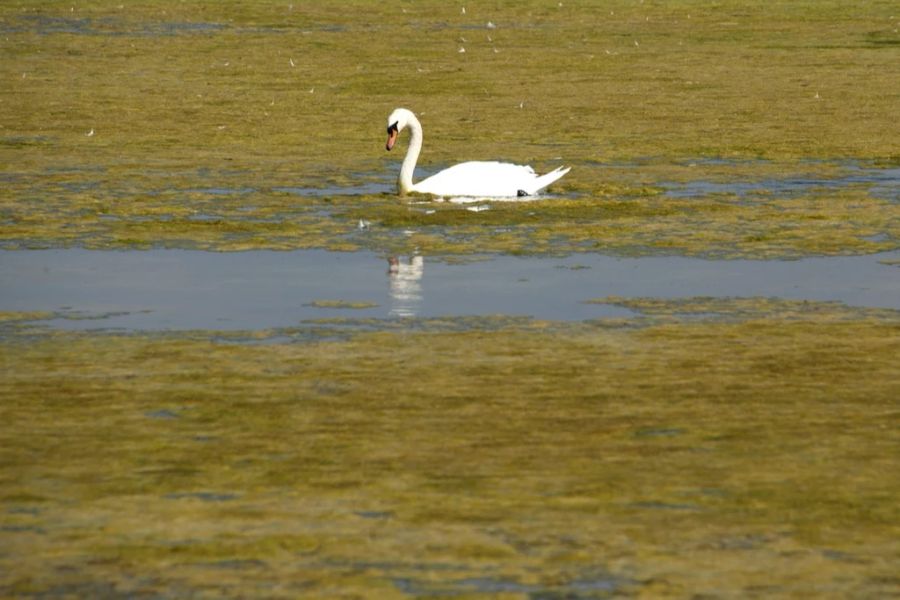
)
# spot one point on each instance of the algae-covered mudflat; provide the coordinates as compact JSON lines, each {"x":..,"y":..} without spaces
{"x":752,"y":451}
{"x":261,"y":125}
{"x":728,"y":446}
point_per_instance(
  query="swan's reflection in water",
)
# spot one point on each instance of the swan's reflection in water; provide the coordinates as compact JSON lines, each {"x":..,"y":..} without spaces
{"x":406,"y":285}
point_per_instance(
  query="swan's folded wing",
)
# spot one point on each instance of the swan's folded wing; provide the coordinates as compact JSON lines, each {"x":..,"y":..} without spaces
{"x":480,"y":178}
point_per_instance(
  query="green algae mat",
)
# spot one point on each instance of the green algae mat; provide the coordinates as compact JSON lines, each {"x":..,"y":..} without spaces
{"x":752,"y":451}
{"x":729,"y":448}
{"x":261,"y":125}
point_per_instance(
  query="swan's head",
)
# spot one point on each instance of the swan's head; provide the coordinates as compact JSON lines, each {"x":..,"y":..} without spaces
{"x":398,"y":120}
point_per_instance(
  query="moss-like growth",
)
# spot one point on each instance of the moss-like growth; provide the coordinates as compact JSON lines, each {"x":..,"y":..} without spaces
{"x":744,"y":446}
{"x":259,"y":126}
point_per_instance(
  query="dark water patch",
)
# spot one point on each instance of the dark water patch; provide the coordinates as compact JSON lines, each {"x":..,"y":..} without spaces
{"x":80,"y":589}
{"x":105,"y":26}
{"x":326,"y":28}
{"x":394,"y":566}
{"x":748,"y":177}
{"x":878,"y":237}
{"x":881,"y":183}
{"x":205,"y":218}
{"x":268,"y":290}
{"x":179,"y":28}
{"x":658,"y":432}
{"x":593,"y":587}
{"x":24,"y":141}
{"x":743,"y":542}
{"x":163,"y":414}
{"x":374,"y":514}
{"x":68,"y":170}
{"x":46,"y":25}
{"x":22,"y":529}
{"x":221,"y":191}
{"x":236,"y":564}
{"x":23,"y":510}
{"x":721,"y":161}
{"x":846,"y":557}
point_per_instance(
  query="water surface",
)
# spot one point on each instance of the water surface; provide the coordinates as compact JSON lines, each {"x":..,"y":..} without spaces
{"x":182,"y":289}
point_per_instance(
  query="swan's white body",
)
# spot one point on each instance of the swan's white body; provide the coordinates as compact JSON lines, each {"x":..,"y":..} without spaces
{"x":468,"y":179}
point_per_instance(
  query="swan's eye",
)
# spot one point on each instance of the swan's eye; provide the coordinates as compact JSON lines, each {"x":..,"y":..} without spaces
{"x":392,"y":128}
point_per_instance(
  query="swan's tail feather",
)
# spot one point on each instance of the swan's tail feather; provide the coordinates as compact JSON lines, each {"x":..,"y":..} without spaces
{"x":546,"y":179}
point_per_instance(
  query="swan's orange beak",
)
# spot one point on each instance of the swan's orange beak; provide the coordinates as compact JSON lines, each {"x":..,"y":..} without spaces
{"x":393,"y":131}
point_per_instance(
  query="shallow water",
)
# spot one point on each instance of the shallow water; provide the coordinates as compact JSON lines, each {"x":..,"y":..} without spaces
{"x":882,"y":183}
{"x":48,"y":25}
{"x":180,"y":289}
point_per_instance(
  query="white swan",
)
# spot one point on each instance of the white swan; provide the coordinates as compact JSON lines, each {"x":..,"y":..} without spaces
{"x":469,"y":179}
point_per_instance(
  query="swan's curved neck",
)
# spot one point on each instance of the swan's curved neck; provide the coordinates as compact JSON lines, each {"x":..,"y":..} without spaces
{"x":405,"y":182}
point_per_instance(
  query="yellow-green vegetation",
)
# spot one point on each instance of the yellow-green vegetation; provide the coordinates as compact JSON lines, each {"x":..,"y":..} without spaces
{"x":739,"y":456}
{"x":341,"y":304}
{"x":656,"y":310}
{"x":233,"y":126}
{"x":13,"y":316}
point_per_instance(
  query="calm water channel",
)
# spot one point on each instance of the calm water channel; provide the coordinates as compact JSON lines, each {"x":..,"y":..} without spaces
{"x":180,"y":289}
